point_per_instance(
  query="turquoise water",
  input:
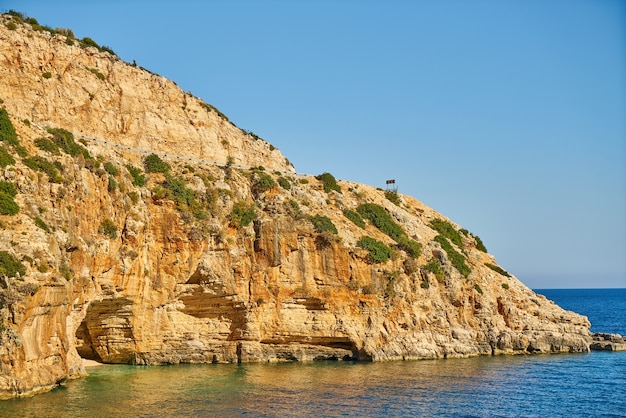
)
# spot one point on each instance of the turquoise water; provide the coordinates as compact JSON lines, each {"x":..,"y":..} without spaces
{"x":575,"y":385}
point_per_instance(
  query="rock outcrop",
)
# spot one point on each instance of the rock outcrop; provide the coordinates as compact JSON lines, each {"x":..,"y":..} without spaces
{"x":119,"y":256}
{"x":607,"y":342}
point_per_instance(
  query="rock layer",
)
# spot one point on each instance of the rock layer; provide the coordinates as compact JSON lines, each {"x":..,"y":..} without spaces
{"x":169,"y":272}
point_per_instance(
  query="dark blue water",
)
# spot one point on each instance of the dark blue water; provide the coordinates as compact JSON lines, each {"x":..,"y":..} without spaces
{"x":567,"y":385}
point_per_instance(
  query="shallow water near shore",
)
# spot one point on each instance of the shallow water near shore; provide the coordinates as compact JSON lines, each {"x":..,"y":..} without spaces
{"x":576,"y":384}
{"x":591,"y":384}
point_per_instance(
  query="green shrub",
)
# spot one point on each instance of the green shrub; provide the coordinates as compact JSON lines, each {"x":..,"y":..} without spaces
{"x":11,"y":26}
{"x":108,"y":228}
{"x":392,"y":196}
{"x":5,"y":158}
{"x":498,"y":269}
{"x":264,"y":183}
{"x":8,"y":188}
{"x":96,"y":73}
{"x":112,"y":186}
{"x":41,"y":224}
{"x":354,"y":217}
{"x":293,"y":209}
{"x":139,"y":179}
{"x":379,"y":252}
{"x":323,"y":223}
{"x":284,"y":183}
{"x":134,"y":197}
{"x":10,"y":266}
{"x":379,"y":217}
{"x":65,"y":140}
{"x":177,"y":190}
{"x":47,"y":145}
{"x":479,"y":244}
{"x":7,"y":130}
{"x":478,"y":289}
{"x":329,"y":182}
{"x":446,"y":229}
{"x":8,"y":205}
{"x":38,"y":163}
{"x":242,"y":214}
{"x":505,"y":286}
{"x":111,"y":169}
{"x":456,"y":258}
{"x":425,"y":284}
{"x":105,"y":48}
{"x":154,"y":164}
{"x":435,"y":267}
{"x":86,"y":41}
{"x":47,"y":74}
{"x":411,"y":247}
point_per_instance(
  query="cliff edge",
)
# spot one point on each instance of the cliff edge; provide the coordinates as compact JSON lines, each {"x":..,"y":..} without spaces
{"x":139,"y":226}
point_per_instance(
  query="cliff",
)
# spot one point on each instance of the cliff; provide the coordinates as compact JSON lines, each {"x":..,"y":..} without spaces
{"x":215,"y":250}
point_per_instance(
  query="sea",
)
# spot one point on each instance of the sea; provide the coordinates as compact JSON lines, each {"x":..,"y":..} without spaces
{"x":561,"y":385}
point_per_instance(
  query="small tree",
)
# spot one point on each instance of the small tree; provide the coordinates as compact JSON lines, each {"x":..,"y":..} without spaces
{"x":329,"y":182}
{"x":154,"y":164}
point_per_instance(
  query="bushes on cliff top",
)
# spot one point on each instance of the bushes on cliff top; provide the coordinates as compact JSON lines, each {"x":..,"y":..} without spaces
{"x":329,"y":182}
{"x":10,"y":266}
{"x":479,"y":244}
{"x":379,"y":252}
{"x":392,"y":196}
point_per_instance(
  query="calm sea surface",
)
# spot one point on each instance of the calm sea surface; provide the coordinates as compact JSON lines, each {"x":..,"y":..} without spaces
{"x":569,"y":385}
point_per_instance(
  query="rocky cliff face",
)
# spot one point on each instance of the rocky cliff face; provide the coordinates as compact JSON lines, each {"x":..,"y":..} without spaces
{"x":120,"y":256}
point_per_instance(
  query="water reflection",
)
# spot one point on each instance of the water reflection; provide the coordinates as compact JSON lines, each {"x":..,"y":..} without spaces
{"x":504,"y":386}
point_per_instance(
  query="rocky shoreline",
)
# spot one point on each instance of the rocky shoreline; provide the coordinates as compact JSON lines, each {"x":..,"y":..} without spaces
{"x":607,"y":342}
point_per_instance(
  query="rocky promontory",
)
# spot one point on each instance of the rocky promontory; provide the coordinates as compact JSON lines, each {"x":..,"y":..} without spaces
{"x":138,"y":225}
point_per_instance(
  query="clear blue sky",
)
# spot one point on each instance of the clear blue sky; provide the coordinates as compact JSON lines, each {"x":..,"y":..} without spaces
{"x":509,"y":117}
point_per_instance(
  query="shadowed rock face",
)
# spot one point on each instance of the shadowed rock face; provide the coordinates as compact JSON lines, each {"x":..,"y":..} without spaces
{"x":174,"y":276}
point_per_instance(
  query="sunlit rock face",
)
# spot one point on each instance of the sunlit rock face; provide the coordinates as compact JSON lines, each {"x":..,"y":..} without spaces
{"x":205,"y":262}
